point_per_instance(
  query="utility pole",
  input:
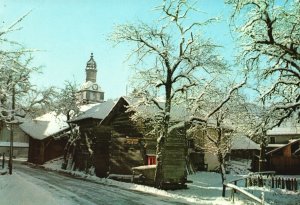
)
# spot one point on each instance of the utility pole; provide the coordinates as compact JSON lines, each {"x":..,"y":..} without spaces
{"x":11,"y":131}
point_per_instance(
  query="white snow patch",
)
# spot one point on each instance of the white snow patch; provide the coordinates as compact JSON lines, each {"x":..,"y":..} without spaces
{"x":241,"y":166}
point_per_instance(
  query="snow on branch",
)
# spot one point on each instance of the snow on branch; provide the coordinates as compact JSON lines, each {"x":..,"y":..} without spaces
{"x":225,"y":100}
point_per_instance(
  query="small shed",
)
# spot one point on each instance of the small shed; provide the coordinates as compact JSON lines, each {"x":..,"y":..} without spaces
{"x":47,"y":137}
{"x":243,"y":147}
{"x":285,"y":159}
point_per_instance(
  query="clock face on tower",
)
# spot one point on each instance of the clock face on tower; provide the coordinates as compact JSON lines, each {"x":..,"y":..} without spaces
{"x":95,"y":87}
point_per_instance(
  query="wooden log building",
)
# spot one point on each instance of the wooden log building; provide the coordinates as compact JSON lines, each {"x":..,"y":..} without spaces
{"x":47,"y":137}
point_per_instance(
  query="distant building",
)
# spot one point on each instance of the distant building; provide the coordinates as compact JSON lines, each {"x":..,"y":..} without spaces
{"x":285,"y":159}
{"x":20,"y":144}
{"x":90,"y":92}
{"x":243,"y":147}
{"x":280,"y":136}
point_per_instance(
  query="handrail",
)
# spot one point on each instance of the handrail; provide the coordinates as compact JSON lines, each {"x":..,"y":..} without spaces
{"x":255,"y":198}
{"x":236,"y":188}
{"x":265,"y":172}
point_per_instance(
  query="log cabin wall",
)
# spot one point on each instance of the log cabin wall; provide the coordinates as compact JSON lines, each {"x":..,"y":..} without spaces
{"x":127,"y":144}
{"x":54,"y":148}
{"x":36,"y":151}
{"x":41,"y":151}
{"x":101,"y":150}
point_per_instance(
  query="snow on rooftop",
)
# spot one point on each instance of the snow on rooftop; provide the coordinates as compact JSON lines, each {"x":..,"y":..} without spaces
{"x":290,"y":129}
{"x":98,"y":111}
{"x":45,"y":125}
{"x":86,"y":107}
{"x":243,"y":142}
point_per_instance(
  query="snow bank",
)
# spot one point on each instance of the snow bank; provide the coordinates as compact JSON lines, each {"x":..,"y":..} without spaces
{"x":17,"y":191}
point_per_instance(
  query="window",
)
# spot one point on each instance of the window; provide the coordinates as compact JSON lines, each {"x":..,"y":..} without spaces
{"x":272,"y":140}
{"x":151,"y":160}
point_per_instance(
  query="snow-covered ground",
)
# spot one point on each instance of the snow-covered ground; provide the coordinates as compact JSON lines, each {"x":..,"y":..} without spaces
{"x":205,"y":189}
{"x":16,"y":190}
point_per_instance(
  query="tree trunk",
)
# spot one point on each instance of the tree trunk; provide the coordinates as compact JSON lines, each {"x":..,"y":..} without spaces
{"x":67,"y":151}
{"x":221,"y":166}
{"x":262,"y":155}
{"x":159,"y":162}
{"x":160,"y":151}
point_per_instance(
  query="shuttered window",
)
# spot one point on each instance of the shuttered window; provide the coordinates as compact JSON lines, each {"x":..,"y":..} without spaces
{"x":151,"y":160}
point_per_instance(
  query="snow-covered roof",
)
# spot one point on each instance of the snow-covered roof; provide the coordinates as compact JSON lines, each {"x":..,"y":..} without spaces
{"x":243,"y":142}
{"x":15,"y":144}
{"x":286,"y":130}
{"x":86,"y":107}
{"x":45,"y":125}
{"x":98,"y":111}
{"x":178,"y":112}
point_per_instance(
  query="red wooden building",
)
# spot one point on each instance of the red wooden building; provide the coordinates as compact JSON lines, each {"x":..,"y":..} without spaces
{"x":285,"y":159}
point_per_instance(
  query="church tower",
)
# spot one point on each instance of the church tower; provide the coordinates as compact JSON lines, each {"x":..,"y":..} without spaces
{"x":90,"y":92}
{"x":91,"y":70}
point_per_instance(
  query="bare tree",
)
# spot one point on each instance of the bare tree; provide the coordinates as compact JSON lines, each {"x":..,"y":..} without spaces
{"x":171,"y":57}
{"x":18,"y":97}
{"x":66,"y":104}
{"x":216,"y":112}
{"x":15,"y":73}
{"x":269,"y":38}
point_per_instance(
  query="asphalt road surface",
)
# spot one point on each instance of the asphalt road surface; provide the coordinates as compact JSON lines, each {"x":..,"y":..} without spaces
{"x":83,"y":192}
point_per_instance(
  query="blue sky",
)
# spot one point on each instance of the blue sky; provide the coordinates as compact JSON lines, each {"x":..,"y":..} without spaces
{"x":66,"y":32}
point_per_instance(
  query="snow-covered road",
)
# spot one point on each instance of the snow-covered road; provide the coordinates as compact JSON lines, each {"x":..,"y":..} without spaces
{"x":71,"y":190}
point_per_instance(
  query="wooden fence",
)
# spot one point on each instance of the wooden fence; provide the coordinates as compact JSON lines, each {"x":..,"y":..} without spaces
{"x":260,"y":179}
{"x":272,"y":182}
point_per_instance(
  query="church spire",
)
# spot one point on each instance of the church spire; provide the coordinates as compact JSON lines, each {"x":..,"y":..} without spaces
{"x":91,"y":70}
{"x":90,"y":91}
